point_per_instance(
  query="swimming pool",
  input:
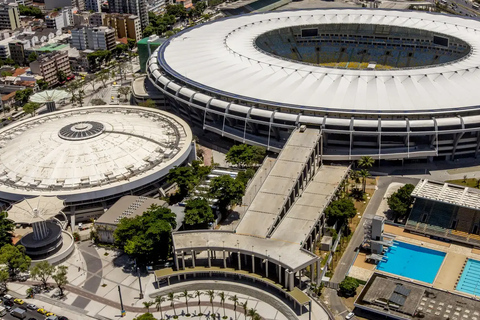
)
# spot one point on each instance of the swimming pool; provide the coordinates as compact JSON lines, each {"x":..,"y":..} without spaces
{"x":470,"y":280}
{"x":412,"y":262}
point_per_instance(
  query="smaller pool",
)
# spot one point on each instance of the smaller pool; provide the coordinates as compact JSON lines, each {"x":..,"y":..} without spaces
{"x":470,"y":280}
{"x":412,"y":262}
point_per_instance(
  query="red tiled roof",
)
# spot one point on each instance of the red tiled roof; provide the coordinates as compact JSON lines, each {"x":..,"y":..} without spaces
{"x":19,"y":71}
{"x":7,"y":97}
{"x":123,"y":40}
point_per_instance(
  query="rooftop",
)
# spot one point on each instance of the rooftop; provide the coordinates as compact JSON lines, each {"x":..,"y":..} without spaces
{"x":447,"y":193}
{"x":129,"y":207}
{"x":403,"y":299}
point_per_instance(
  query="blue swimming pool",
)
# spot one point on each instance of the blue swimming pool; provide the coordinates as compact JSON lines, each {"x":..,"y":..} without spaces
{"x":470,"y":280}
{"x":412,"y":262}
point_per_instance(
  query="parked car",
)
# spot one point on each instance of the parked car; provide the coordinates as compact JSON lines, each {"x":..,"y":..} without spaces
{"x":41,"y":310}
{"x":32,"y":306}
{"x":18,"y":301}
{"x":350,"y":316}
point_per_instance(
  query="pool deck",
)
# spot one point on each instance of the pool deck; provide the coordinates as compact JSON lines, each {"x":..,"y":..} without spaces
{"x":449,"y":272}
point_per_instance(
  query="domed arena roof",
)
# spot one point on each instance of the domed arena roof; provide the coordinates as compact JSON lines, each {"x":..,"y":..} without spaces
{"x":92,"y":152}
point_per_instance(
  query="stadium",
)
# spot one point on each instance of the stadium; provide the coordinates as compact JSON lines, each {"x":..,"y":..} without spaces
{"x":91,"y":164}
{"x":384,"y":83}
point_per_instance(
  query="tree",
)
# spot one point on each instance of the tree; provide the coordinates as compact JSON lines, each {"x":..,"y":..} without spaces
{"x":184,"y":177}
{"x":97,"y":102}
{"x":32,"y":57}
{"x":197,"y":295}
{"x":131,"y":43}
{"x":227,"y":190}
{"x":103,"y":76}
{"x":14,"y":259}
{"x":245,"y":176}
{"x":340,"y":211}
{"x":60,"y":278}
{"x":61,"y":76}
{"x":9,"y":61}
{"x":76,"y":90}
{"x":124,"y":91}
{"x":42,"y":271}
{"x":31,"y":11}
{"x":348,"y":287}
{"x":4,"y":277}
{"x":147,"y":237}
{"x":364,"y":174}
{"x":222,"y":301}
{"x":22,"y":96}
{"x":171,"y":298}
{"x":245,"y":309}
{"x":148,"y":304}
{"x":145,"y":316}
{"x":149,"y":103}
{"x":401,"y":200}
{"x":186,"y":296}
{"x":252,"y":313}
{"x":30,"y":108}
{"x":119,"y":49}
{"x":235,"y":299}
{"x":42,"y":84}
{"x":198,"y":214}
{"x":211,"y":296}
{"x":245,"y":155}
{"x":176,"y":10}
{"x":158,"y":303}
{"x":6,"y":73}
{"x":366,"y":162}
{"x":6,"y":229}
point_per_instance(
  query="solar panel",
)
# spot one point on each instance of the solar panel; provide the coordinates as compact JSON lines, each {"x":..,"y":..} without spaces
{"x":402,"y":290}
{"x":397,"y":299}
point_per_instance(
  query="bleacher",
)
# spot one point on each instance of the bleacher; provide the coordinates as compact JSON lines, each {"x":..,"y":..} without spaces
{"x":445,"y":220}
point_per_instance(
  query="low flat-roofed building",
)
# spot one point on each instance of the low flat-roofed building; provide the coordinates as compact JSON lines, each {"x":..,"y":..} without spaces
{"x":125,"y":207}
{"x":401,"y":299}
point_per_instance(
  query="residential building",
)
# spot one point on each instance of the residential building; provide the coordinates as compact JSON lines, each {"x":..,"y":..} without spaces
{"x":79,"y":38}
{"x":93,"y":5}
{"x":49,"y":65}
{"x":4,"y":48}
{"x":53,"y":4}
{"x":81,"y":19}
{"x":136,"y":7}
{"x":9,"y":16}
{"x":17,"y":50}
{"x":55,"y":20}
{"x":96,"y":19}
{"x":94,"y":38}
{"x":79,"y":4}
{"x":100,"y":38}
{"x":125,"y":25}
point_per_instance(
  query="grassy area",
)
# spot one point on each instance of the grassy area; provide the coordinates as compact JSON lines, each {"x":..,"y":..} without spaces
{"x":470,"y":182}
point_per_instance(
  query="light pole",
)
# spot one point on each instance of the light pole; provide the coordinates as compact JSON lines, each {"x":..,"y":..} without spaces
{"x":139,"y":279}
{"x":121,"y":301}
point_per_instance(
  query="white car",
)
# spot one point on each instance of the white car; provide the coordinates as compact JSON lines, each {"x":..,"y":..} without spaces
{"x":350,"y":316}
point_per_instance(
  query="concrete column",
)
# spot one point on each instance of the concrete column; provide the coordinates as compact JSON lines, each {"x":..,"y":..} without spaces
{"x":291,"y":281}
{"x":287,"y":279}
{"x":224,"y":260}
{"x":209,"y":258}
{"x":183,"y":260}
{"x":279,"y":274}
{"x":266,"y":267}
{"x":193,"y":258}
{"x":253,"y":263}
{"x":312,"y":271}
{"x":245,"y":259}
{"x":176,"y":260}
{"x":319,"y":266}
{"x":239,"y":261}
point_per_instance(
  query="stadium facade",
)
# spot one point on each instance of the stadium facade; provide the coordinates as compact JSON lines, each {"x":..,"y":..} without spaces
{"x":90,"y":157}
{"x":385,"y":83}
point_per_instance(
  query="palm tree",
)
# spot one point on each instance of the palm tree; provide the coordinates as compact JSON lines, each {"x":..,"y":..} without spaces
{"x":366,"y":162}
{"x":364,"y":174}
{"x":234,"y":298}
{"x":171,"y":298}
{"x":148,"y":304}
{"x":185,"y":295}
{"x":197,"y":294}
{"x":245,"y":308}
{"x":158,"y":303}
{"x":211,"y":295}
{"x":252,"y":313}
{"x":222,"y":301}
{"x":257,"y":317}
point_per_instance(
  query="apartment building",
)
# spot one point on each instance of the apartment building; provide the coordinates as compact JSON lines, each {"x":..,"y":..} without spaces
{"x":125,"y":25}
{"x":96,"y":19}
{"x":17,"y":50}
{"x":9,"y":16}
{"x":93,"y":5}
{"x":135,"y":7}
{"x":60,"y":19}
{"x":50,"y":64}
{"x":94,"y":38}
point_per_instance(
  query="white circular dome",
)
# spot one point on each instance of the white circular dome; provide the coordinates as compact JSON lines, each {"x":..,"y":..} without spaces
{"x":87,"y":153}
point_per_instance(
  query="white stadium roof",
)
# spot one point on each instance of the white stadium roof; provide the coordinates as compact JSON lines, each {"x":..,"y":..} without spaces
{"x":88,"y":153}
{"x":221,"y":57}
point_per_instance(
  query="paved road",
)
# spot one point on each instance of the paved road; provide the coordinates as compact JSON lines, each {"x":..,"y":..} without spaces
{"x":94,"y":269}
{"x":335,"y":303}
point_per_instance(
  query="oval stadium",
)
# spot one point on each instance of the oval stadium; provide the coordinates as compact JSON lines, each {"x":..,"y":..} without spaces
{"x":90,"y":157}
{"x":389,"y":84}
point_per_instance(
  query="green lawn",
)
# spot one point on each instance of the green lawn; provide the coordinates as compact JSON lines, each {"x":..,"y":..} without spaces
{"x":470,"y":182}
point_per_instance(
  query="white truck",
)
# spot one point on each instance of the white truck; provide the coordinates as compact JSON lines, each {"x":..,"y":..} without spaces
{"x":19,"y":313}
